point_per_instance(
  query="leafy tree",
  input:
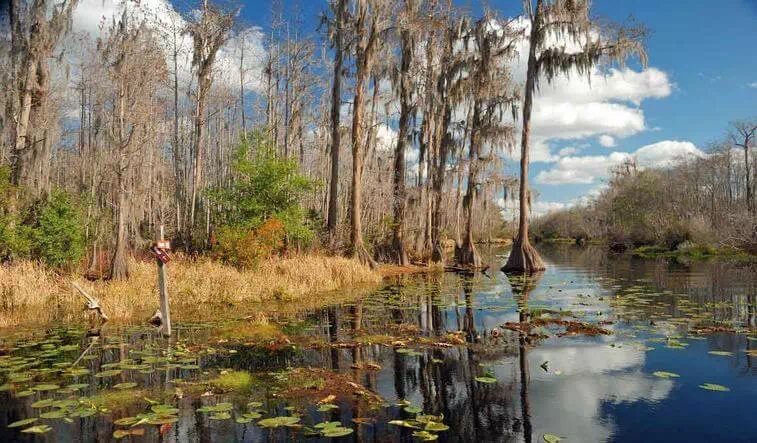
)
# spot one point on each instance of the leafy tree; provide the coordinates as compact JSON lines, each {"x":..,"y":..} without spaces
{"x":58,"y":232}
{"x":51,"y":230}
{"x":265,"y":187}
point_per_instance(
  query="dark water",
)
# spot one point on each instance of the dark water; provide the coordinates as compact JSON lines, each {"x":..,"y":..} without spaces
{"x":664,"y":317}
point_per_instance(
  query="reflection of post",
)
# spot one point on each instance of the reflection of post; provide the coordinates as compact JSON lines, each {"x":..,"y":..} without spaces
{"x":163,"y":286}
{"x":524,"y":374}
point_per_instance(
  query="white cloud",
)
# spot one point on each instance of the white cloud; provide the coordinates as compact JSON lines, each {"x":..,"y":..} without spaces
{"x":753,"y":85}
{"x":570,"y":150}
{"x":92,"y":15}
{"x":607,"y":141}
{"x":538,"y":208}
{"x":575,"y":107}
{"x":594,"y":168}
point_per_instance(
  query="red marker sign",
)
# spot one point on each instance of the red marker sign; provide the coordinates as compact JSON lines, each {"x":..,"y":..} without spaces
{"x":161,"y":253}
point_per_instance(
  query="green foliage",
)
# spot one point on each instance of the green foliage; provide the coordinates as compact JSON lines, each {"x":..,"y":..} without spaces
{"x":265,"y":187}
{"x":50,"y":229}
{"x":58,"y":232}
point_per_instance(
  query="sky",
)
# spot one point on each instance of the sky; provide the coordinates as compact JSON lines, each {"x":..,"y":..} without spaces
{"x":702,"y":74}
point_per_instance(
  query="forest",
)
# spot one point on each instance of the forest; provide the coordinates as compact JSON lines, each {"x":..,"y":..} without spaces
{"x":386,"y":135}
{"x":703,"y":205}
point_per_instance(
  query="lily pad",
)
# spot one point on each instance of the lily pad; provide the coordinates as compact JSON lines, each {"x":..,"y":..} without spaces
{"x":551,"y":438}
{"x":220,"y":416}
{"x":405,"y":423}
{"x":436,"y":427}
{"x":721,"y":353}
{"x":59,"y":413}
{"x":338,"y":431}
{"x":124,"y":386}
{"x":665,"y":374}
{"x":39,"y":429}
{"x":109,"y":373}
{"x":425,"y":436}
{"x":24,"y":422}
{"x":486,"y":379}
{"x":220,"y":407}
{"x":43,"y":403}
{"x":45,"y":387}
{"x":276,"y":422}
{"x":123,"y":433}
{"x":714,"y":387}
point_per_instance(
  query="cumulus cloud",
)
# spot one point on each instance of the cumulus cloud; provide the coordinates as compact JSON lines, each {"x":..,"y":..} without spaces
{"x":594,"y":168}
{"x":92,"y":17}
{"x":510,"y":208}
{"x":607,"y":141}
{"x":608,"y":103}
{"x":570,"y":150}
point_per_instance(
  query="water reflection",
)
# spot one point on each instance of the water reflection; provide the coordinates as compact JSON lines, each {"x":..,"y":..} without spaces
{"x":584,"y":388}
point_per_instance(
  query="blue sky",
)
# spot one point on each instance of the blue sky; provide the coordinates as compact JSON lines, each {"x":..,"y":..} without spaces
{"x":704,"y":48}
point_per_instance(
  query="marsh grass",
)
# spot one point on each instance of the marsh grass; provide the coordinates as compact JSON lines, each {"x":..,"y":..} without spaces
{"x":198,"y":288}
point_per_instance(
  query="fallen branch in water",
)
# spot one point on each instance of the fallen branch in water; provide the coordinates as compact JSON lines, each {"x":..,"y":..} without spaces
{"x":93,"y":304}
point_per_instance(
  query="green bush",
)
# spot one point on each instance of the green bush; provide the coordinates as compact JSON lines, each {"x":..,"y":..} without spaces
{"x":50,"y":229}
{"x":58,"y":232}
{"x":265,"y":187}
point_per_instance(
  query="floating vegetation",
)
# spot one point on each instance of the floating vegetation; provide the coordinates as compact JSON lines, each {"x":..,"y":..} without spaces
{"x":333,"y":429}
{"x":664,"y":374}
{"x":277,"y":422}
{"x":488,"y":378}
{"x":714,"y":387}
{"x":38,"y":429}
{"x":721,"y":353}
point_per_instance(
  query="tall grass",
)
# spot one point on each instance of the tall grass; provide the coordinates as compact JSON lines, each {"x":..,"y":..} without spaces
{"x":198,"y":288}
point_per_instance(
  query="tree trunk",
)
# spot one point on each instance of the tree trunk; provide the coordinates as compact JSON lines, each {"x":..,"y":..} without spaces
{"x":748,"y":169}
{"x":119,"y":265}
{"x":467,"y":254}
{"x":523,"y":257}
{"x":199,"y":150}
{"x":437,"y":252}
{"x":400,"y":198}
{"x":336,"y":101}
{"x":356,"y":231}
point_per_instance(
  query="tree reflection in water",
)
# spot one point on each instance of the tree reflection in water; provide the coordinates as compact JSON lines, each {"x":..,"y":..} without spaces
{"x":522,"y":285}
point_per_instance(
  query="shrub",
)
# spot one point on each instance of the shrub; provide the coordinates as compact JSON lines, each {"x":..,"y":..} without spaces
{"x":50,"y":230}
{"x":58,"y":232}
{"x":265,"y":187}
{"x":246,"y":247}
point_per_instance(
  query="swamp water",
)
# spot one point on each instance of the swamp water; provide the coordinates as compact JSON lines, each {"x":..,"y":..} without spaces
{"x":598,"y":348}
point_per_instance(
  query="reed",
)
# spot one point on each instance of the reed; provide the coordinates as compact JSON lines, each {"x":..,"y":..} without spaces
{"x":198,"y":288}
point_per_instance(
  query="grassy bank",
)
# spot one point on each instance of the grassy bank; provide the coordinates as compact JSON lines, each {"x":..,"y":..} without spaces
{"x":198,"y":288}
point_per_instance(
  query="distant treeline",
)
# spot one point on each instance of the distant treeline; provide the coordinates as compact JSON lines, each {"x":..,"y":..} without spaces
{"x":701,"y":203}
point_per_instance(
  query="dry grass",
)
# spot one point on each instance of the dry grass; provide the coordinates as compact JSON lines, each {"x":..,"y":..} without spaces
{"x":30,"y":294}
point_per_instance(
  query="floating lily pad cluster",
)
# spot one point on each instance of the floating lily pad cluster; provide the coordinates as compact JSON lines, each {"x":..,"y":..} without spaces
{"x":425,"y":427}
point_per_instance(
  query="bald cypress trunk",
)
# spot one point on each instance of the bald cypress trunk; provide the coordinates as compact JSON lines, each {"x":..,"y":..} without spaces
{"x":399,"y":194}
{"x":336,"y":102}
{"x":523,"y":257}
